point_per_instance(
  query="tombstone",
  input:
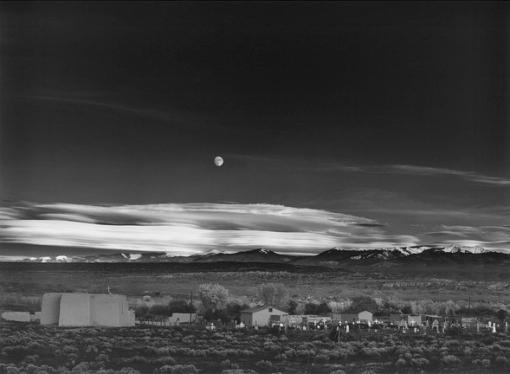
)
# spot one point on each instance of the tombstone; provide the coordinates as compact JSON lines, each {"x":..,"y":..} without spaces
{"x":435,"y":325}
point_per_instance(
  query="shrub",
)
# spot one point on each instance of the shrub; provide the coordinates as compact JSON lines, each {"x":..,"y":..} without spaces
{"x":264,"y":364}
{"x":188,"y":339}
{"x":501,"y":360}
{"x":128,"y":370}
{"x":400,"y":363}
{"x":226,"y":364}
{"x":321,"y":358}
{"x":178,"y":369}
{"x":486,"y":363}
{"x":420,"y":362}
{"x":450,"y":360}
{"x":165,"y":360}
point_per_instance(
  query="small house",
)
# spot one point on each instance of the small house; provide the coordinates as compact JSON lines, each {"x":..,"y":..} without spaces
{"x":262,"y":316}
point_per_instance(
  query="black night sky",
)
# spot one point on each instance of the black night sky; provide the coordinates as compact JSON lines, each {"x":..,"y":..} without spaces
{"x":393,"y":112}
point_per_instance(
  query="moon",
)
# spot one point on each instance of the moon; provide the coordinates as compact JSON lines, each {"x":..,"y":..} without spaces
{"x":218,"y":161}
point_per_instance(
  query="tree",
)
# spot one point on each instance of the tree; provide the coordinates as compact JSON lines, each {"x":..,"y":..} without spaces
{"x":292,"y":306}
{"x":319,"y":309}
{"x":181,"y":306}
{"x":141,"y":311}
{"x":361,"y":303}
{"x":159,"y":310}
{"x":311,"y":308}
{"x":406,"y":309}
{"x":323,"y":309}
{"x":386,"y":309}
{"x":501,"y":314}
{"x":233,"y":311}
{"x":273,"y":294}
{"x":213,"y":296}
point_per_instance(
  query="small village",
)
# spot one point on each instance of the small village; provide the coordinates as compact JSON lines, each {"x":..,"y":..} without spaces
{"x":112,"y":310}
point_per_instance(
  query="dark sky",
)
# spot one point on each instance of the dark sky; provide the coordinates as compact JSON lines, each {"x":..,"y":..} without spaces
{"x":311,"y":104}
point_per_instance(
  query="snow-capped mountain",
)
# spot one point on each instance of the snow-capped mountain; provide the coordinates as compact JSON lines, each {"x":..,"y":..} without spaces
{"x":263,"y":255}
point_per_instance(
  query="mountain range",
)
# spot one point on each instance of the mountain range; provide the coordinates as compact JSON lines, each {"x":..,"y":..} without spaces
{"x":330,"y":258}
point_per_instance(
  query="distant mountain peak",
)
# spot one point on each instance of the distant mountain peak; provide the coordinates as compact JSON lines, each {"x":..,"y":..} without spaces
{"x":260,"y":251}
{"x":396,"y":252}
{"x":464,"y":249}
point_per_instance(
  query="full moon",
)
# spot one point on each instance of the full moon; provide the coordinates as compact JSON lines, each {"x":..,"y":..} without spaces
{"x":218,"y":160}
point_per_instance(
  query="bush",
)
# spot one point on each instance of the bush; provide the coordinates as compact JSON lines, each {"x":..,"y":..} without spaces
{"x":420,"y":362}
{"x":400,"y":363}
{"x":321,"y":358}
{"x":450,"y":360}
{"x":226,"y":364}
{"x":264,"y":364}
{"x":501,"y":360}
{"x":165,"y":360}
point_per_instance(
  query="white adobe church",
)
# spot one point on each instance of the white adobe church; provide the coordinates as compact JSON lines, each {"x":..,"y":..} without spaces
{"x":83,"y":309}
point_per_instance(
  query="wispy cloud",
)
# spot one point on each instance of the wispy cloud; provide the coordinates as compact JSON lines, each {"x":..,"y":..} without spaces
{"x":184,"y":229}
{"x":401,"y":169}
{"x":175,"y":117}
{"x":466,"y":175}
{"x":489,"y":237}
{"x":414,"y":170}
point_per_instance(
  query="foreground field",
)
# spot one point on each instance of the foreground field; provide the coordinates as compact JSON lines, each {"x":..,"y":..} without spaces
{"x":30,"y":348}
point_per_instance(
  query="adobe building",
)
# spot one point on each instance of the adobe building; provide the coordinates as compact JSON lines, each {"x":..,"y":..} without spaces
{"x":365,"y":316}
{"x":262,"y":316}
{"x":83,"y":309}
{"x":50,"y":308}
{"x":16,"y":316}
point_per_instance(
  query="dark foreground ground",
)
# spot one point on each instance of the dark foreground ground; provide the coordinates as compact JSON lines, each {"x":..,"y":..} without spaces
{"x":30,"y":348}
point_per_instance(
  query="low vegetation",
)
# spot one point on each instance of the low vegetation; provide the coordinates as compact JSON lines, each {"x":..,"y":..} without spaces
{"x":30,"y":348}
